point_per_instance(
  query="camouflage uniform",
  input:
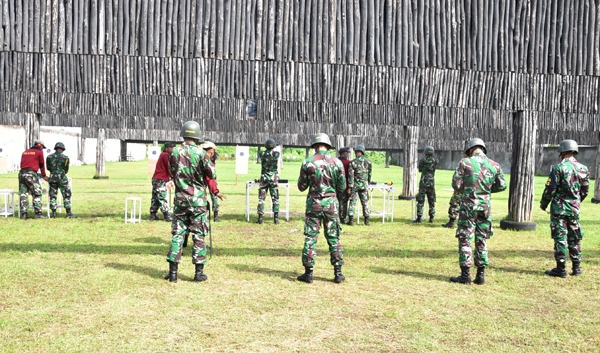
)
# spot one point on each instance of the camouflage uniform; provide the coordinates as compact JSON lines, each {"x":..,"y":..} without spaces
{"x":566,"y":188}
{"x":323,"y":175}
{"x":268,"y":180}
{"x":359,"y":177}
{"x":58,"y":165}
{"x":159,"y":196}
{"x":454,"y":204}
{"x":343,"y":196}
{"x":32,"y":160}
{"x":189,"y":165}
{"x":475,"y":179}
{"x":427,"y":167}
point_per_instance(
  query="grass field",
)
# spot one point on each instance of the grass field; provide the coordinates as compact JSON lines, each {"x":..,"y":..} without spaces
{"x":94,"y":284}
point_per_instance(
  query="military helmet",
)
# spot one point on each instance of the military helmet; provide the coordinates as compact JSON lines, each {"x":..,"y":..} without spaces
{"x":208,"y":139}
{"x":429,"y":151}
{"x":320,"y":138}
{"x":270,"y":144}
{"x":474,"y":142}
{"x":568,"y":146}
{"x":59,"y":145}
{"x":360,"y":148}
{"x":344,"y":150}
{"x":190,"y":129}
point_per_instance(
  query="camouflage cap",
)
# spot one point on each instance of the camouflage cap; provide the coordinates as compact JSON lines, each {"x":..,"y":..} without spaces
{"x":208,"y":145}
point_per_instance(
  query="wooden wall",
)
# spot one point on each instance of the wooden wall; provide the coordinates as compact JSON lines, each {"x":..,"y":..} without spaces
{"x":358,"y":68}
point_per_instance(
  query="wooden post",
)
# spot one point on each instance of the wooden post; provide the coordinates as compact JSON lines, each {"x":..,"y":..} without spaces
{"x":82,"y":150}
{"x":409,"y":178}
{"x":340,"y":141}
{"x":387,"y":159}
{"x":32,"y":129}
{"x":596,"y":198}
{"x":258,"y":155}
{"x":522,"y":172}
{"x":100,"y":172}
{"x":123,"y":150}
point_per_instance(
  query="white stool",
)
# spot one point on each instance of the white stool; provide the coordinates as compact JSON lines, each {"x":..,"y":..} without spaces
{"x":133,"y":213}
{"x":8,"y":208}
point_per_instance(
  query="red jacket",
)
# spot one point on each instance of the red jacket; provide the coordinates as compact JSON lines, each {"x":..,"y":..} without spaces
{"x":162,"y":171}
{"x":33,"y":159}
{"x":346,"y":163}
{"x":212,"y":185}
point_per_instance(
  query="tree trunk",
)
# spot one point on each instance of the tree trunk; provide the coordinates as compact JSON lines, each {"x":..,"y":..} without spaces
{"x":387,"y":159}
{"x":409,"y":179}
{"x":597,"y":184}
{"x":32,"y":129}
{"x":100,"y":172}
{"x":522,"y":174}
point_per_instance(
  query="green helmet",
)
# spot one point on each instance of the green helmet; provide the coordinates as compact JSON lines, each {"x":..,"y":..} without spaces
{"x":360,"y":148}
{"x":429,"y":151}
{"x":59,"y":145}
{"x":475,"y":142}
{"x":270,"y":144}
{"x":320,"y":138}
{"x":568,"y":146}
{"x":191,"y":129}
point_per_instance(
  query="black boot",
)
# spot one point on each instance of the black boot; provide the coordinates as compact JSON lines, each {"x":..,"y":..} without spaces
{"x":40,"y":216}
{"x":153,"y":217}
{"x":464,"y":278}
{"x":260,"y":219}
{"x":53,"y":214}
{"x":337,"y":271}
{"x":576,"y":268}
{"x":430,"y":219}
{"x":168,"y":217}
{"x":450,"y":223}
{"x":70,"y":214}
{"x":367,"y":221}
{"x":24,"y":216}
{"x":172,"y":275}
{"x":200,"y":276}
{"x":480,"y":278}
{"x":558,"y":271}
{"x":276,"y":217}
{"x":417,"y":220}
{"x":307,"y":276}
{"x":350,"y":221}
{"x":216,"y":216}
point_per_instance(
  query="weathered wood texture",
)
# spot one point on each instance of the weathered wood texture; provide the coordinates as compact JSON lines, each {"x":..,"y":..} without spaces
{"x":100,"y":168}
{"x":353,"y":68}
{"x":597,"y":184}
{"x":32,"y":129}
{"x":411,"y":161}
{"x":522,"y":171}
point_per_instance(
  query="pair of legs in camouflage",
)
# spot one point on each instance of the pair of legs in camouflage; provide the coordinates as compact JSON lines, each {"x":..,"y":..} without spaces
{"x":363,"y":195}
{"x":567,"y":235}
{"x":159,"y":199}
{"x":343,"y":199}
{"x":273,"y":189}
{"x":192,"y":220}
{"x":29,"y":183}
{"x":476,"y":225}
{"x":63,"y":185}
{"x":429,"y":193}
{"x":322,"y":211}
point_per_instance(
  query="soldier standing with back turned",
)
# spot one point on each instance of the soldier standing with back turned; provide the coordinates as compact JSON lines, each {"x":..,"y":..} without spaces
{"x":32,"y":160}
{"x":359,"y":178}
{"x":58,"y":166}
{"x":343,"y":197}
{"x":427,"y":167}
{"x":566,"y":189}
{"x":162,"y":175}
{"x":323,"y":176}
{"x":476,"y":178}
{"x":269,"y":177}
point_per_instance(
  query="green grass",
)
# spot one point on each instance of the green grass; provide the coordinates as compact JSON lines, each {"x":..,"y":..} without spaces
{"x":94,"y":284}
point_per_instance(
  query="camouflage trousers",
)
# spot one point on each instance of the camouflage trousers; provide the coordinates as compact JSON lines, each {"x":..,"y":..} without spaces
{"x":322,"y":211}
{"x":59,"y":183}
{"x":567,"y":235}
{"x":159,"y":196}
{"x":343,"y":199}
{"x":188,"y":220}
{"x":474,"y":225}
{"x":29,"y":183}
{"x":214,"y":203}
{"x":363,"y":195}
{"x":272,"y":187}
{"x":430,"y":194}
{"x":453,"y":208}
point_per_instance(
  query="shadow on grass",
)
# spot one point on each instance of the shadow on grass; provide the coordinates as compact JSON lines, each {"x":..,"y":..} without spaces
{"x":290,"y":276}
{"x":422,"y":275}
{"x":147,"y":271}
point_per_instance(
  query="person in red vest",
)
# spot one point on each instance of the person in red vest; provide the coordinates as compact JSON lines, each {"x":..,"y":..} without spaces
{"x":162,"y":175}
{"x":32,"y":161}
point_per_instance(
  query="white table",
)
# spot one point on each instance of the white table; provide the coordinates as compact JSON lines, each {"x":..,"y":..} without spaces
{"x":385,"y":206}
{"x":8,"y":208}
{"x":133,"y":209}
{"x":250,"y":185}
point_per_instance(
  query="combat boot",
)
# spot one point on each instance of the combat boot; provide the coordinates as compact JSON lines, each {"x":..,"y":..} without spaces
{"x":430,"y":219}
{"x":40,"y":216}
{"x":307,"y":276}
{"x":172,"y":275}
{"x":480,"y":278}
{"x":417,"y":220}
{"x":168,"y":217}
{"x":216,"y":216}
{"x":450,"y":223}
{"x":337,"y":272}
{"x":70,"y":214}
{"x":350,"y":220}
{"x":24,"y":216}
{"x":464,"y":278}
{"x":53,"y":214}
{"x":367,"y":221}
{"x":276,"y":217}
{"x":200,"y":276}
{"x":558,"y":271}
{"x":153,"y":217}
{"x":576,"y":268}
{"x":260,"y":219}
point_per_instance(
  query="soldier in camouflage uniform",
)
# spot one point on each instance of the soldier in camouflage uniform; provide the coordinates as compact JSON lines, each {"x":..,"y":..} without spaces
{"x":323,"y":176}
{"x":58,"y":166}
{"x":162,"y":175}
{"x":566,"y":188}
{"x":189,"y":166}
{"x":453,"y":210}
{"x":215,"y":195}
{"x":427,"y":167}
{"x":32,"y":160}
{"x":475,"y":178}
{"x":268,"y":181}
{"x":359,"y":178}
{"x":343,"y":196}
